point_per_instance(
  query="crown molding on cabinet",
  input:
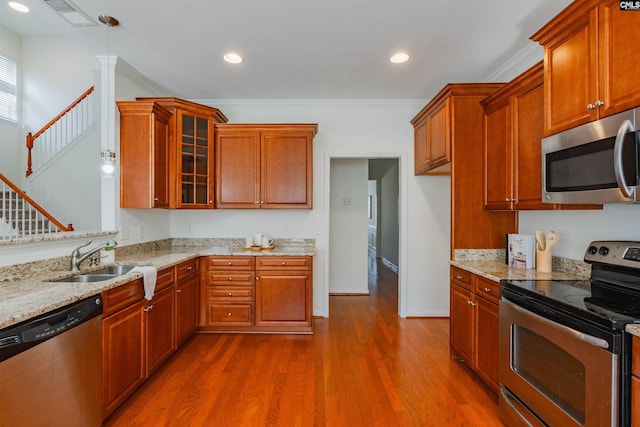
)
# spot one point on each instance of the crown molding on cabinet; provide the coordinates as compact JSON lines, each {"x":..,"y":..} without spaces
{"x":520,"y":62}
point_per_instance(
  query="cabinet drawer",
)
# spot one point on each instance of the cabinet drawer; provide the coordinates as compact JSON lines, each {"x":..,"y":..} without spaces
{"x":121,"y":297}
{"x":166,"y":277}
{"x":230,"y":293}
{"x":486,"y":288}
{"x":231,"y":263}
{"x":239,"y":314}
{"x":222,"y":278}
{"x":462,"y":278}
{"x":283,"y":263}
{"x":186,"y":269}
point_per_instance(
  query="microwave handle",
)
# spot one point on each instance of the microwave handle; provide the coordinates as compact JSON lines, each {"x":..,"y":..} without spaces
{"x":625,"y":127}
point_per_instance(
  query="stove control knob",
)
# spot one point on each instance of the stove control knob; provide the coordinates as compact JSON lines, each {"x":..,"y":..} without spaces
{"x":592,"y":250}
{"x":603,"y":250}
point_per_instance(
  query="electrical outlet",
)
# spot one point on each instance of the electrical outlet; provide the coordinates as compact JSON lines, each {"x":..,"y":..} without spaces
{"x":140,"y":232}
{"x":285,"y":228}
{"x":124,"y":233}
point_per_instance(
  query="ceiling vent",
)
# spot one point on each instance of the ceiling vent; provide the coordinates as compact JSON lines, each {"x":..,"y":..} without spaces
{"x":71,"y":13}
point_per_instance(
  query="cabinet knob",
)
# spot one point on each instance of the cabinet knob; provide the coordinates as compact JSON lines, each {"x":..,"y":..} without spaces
{"x":230,"y":263}
{"x":178,"y":291}
{"x":156,"y":198}
{"x":257,"y":202}
{"x":591,"y":107}
{"x":230,"y":279}
{"x":458,"y":276}
{"x":262,"y":202}
{"x":229,"y":314}
{"x":284,"y":263}
{"x":190,"y":267}
{"x":487,"y":289}
{"x":230,"y":294}
{"x":598,"y":103}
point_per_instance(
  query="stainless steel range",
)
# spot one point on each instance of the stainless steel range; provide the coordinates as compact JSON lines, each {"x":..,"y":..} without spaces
{"x":565,"y":359}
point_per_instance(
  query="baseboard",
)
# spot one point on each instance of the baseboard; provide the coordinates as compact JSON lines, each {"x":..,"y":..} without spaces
{"x":390,"y":265}
{"x":349,"y":294}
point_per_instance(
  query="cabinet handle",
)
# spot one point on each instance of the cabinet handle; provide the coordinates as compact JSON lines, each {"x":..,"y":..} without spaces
{"x":262,"y":202}
{"x":257,"y":278}
{"x":156,"y":199}
{"x":591,"y":107}
{"x":487,"y":289}
{"x":148,"y":308}
{"x":598,"y":103}
{"x":190,"y":267}
{"x":178,"y":291}
{"x":257,"y":202}
{"x":471,"y":303}
{"x":458,"y":276}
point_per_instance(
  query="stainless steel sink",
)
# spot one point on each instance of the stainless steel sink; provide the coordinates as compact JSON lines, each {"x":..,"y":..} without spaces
{"x":105,"y":273}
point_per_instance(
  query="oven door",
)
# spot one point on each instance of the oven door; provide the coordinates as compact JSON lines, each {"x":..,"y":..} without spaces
{"x":553,"y":374}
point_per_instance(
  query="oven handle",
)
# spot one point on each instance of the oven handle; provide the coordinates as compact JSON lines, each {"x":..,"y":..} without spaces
{"x":625,"y":127}
{"x":589,"y":339}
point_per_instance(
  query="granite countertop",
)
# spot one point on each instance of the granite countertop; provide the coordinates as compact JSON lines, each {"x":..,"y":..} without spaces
{"x":24,"y":298}
{"x":497,"y":270}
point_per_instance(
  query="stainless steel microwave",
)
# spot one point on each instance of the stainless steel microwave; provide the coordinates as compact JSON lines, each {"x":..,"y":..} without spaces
{"x":593,"y":163}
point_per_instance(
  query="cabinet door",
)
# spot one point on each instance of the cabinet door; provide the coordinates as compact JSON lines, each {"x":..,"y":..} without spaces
{"x":124,"y":355}
{"x":161,"y":164}
{"x":195,"y":160}
{"x":486,"y":346}
{"x":497,"y":157}
{"x":528,"y":112}
{"x":237,"y":169}
{"x":283,"y":298}
{"x":462,"y":323}
{"x":160,"y":328}
{"x":619,"y":32}
{"x":420,"y":147}
{"x":286,"y":170}
{"x":439,"y":135}
{"x":186,"y":308}
{"x":570,"y":63}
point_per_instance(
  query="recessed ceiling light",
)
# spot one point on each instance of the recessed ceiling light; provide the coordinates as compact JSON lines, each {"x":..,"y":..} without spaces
{"x":233,"y":58}
{"x":399,"y":58}
{"x":18,"y":6}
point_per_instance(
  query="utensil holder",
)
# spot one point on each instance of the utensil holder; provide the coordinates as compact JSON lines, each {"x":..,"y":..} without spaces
{"x":543,"y":261}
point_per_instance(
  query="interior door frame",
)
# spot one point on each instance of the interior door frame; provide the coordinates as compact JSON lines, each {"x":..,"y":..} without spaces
{"x":402,"y":221}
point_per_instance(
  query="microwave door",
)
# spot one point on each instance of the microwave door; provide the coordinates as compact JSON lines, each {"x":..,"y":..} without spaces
{"x":593,"y":172}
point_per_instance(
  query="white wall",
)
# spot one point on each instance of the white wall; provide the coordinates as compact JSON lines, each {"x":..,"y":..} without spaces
{"x":348,"y":226}
{"x":10,"y":133}
{"x":578,"y":228}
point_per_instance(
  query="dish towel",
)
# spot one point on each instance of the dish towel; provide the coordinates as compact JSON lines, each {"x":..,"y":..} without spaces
{"x":150,"y":274}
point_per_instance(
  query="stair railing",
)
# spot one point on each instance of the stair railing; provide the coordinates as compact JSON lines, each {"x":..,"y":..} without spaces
{"x":59,"y":132}
{"x":21,"y":216}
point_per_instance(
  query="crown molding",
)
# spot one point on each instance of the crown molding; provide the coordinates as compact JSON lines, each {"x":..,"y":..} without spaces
{"x":520,"y":62}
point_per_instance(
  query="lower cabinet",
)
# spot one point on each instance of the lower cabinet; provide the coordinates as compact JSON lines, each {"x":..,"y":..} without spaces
{"x":474,"y":328}
{"x":256,"y":294}
{"x":635,"y":381}
{"x":139,"y":335}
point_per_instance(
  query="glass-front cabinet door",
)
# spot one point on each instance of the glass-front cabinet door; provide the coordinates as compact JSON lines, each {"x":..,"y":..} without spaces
{"x":196,"y":160}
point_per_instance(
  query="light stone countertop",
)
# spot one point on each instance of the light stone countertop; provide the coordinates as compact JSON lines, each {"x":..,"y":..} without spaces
{"x":22,"y":299}
{"x":497,"y":270}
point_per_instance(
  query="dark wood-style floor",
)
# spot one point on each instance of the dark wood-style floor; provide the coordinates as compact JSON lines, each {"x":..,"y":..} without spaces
{"x":364,"y":366}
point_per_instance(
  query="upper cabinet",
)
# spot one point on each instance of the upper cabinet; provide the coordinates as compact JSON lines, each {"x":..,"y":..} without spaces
{"x":432,"y":136}
{"x":264,"y":166}
{"x":589,"y":66}
{"x":511,"y":144}
{"x":144,"y":155}
{"x":191,"y":152}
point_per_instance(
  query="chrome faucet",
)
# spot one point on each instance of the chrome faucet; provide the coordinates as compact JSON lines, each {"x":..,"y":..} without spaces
{"x":77,"y":258}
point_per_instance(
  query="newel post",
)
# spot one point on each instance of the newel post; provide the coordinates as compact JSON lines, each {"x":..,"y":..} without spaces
{"x":29,"y":147}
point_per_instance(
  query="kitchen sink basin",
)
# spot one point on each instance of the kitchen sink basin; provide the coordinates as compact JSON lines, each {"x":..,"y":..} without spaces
{"x":105,"y":273}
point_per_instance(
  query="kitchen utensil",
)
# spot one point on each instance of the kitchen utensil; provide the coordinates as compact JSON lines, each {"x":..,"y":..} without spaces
{"x":541,"y":239}
{"x":551,"y":239}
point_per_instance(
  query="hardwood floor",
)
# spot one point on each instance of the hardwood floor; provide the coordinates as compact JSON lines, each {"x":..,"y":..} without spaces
{"x":364,"y":366}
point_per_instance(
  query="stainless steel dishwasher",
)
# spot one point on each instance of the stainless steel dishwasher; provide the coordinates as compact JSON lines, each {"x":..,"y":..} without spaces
{"x":51,"y":368}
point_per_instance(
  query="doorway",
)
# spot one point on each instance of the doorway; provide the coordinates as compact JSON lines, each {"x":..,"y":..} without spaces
{"x":363,"y":217}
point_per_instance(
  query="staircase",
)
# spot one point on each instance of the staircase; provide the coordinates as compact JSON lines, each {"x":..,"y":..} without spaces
{"x":22,"y":217}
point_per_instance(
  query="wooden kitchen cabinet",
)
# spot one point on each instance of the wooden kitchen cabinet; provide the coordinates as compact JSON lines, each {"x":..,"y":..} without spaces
{"x":283,"y":293}
{"x":139,"y":335}
{"x":228,"y":293}
{"x":144,"y":155}
{"x":187,"y":308}
{"x":190,"y":153}
{"x":589,"y":70}
{"x":474,"y":324}
{"x":256,"y":294}
{"x":459,"y":119}
{"x":264,"y":166}
{"x":635,"y":381}
{"x":432,"y":136}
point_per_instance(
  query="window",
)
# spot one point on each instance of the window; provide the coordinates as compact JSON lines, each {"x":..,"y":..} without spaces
{"x":8,"y":97}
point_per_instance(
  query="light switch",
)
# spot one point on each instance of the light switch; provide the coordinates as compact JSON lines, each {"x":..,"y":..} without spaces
{"x":346,"y":202}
